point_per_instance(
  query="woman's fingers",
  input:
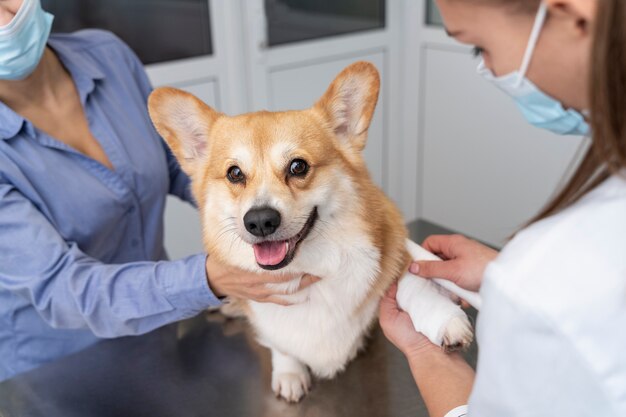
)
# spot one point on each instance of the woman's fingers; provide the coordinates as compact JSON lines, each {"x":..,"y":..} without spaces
{"x":277,"y":278}
{"x":388,"y":304}
{"x":308,"y":280}
{"x":450,"y":270}
{"x":269,"y":292}
{"x":392,"y":292}
{"x":276,"y":300}
{"x":442,"y":244}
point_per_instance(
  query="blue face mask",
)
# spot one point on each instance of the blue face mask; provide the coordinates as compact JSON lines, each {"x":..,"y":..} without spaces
{"x":22,"y":41}
{"x":538,"y":108}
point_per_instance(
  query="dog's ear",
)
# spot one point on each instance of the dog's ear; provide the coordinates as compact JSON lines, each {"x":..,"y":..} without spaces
{"x":350,"y":101}
{"x":184,"y":121}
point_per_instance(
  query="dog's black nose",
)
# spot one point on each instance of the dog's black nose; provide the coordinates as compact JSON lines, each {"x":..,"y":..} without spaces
{"x":262,"y":221}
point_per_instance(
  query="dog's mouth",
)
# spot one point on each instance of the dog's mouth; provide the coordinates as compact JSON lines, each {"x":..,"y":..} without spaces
{"x":276,"y":254}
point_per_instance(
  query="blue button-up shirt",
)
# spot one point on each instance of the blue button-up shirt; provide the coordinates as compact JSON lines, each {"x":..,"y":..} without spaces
{"x":81,"y":246}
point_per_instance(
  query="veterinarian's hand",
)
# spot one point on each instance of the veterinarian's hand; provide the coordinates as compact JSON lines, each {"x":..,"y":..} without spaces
{"x":225,"y":281}
{"x":398,"y":327}
{"x":464,"y":260}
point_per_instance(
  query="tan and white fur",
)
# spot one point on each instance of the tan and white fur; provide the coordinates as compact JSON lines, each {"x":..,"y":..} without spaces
{"x":354,"y":237}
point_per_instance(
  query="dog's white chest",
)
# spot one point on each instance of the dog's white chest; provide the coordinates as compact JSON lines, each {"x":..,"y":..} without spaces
{"x":326,"y":326}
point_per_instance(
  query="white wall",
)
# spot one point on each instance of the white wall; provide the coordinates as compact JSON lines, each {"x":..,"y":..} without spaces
{"x":483,"y":170}
{"x":480,"y":169}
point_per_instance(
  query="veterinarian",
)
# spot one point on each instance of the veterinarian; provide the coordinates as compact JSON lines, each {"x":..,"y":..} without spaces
{"x":83,"y":183}
{"x":551,"y":329}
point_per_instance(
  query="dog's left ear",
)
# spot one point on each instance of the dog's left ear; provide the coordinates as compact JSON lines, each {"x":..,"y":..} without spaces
{"x":350,"y":101}
{"x":184,"y":121}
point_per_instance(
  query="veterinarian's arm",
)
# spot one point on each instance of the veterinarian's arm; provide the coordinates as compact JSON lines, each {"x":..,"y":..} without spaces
{"x":72,"y":290}
{"x":444,"y":380}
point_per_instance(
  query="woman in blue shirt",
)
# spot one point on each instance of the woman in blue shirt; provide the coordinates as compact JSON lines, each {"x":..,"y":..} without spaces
{"x":83,"y":183}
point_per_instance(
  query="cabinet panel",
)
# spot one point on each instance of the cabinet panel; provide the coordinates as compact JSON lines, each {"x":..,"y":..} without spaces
{"x":299,"y":20}
{"x":182,"y":223}
{"x":484,"y":170}
{"x":433,"y":17}
{"x":157,"y":30}
{"x":206,"y":91}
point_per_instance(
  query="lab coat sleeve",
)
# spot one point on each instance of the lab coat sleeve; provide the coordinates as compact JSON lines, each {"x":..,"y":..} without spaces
{"x":71,"y":290}
{"x":526,"y":367}
{"x":458,"y":412}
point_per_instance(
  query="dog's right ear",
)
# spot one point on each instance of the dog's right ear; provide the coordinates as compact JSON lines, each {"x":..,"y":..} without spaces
{"x":349,"y":103}
{"x":184,"y":121}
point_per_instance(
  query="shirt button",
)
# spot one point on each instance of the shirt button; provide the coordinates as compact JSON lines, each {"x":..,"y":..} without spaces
{"x":134,"y":243}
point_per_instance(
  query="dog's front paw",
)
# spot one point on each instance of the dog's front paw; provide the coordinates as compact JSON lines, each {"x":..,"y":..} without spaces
{"x":291,"y":379}
{"x":434,"y":314}
{"x":291,"y":386}
{"x":457,"y":334}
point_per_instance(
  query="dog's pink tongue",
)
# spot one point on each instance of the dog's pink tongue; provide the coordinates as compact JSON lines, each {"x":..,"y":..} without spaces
{"x":270,"y":253}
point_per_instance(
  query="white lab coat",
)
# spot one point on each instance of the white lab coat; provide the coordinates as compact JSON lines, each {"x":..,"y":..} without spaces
{"x":552,"y":328}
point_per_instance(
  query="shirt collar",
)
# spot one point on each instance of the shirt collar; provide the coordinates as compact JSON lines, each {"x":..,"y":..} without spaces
{"x":83,"y":70}
{"x":80,"y":64}
{"x":11,"y":123}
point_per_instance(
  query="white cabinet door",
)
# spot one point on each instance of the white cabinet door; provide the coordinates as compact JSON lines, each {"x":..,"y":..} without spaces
{"x":183,"y":234}
{"x":482,"y":170}
{"x":217,"y":80}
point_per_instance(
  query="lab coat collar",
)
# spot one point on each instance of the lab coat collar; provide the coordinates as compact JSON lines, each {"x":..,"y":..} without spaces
{"x":84,"y":72}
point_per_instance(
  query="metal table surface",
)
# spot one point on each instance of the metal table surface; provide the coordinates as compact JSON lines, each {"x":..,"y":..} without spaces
{"x":209,"y":366}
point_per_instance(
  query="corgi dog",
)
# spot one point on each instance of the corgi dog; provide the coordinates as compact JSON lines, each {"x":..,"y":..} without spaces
{"x":290,"y":192}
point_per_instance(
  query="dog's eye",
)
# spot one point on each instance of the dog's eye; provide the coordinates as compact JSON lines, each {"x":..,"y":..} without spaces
{"x":235,"y":174}
{"x":298,"y":168}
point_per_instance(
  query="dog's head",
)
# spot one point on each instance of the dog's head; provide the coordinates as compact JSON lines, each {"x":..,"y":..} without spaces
{"x":269,"y":182}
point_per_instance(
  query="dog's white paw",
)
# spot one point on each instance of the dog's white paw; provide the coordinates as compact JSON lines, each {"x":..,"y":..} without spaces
{"x":291,"y":379}
{"x":434,"y":314}
{"x":457,"y":334}
{"x":291,"y":386}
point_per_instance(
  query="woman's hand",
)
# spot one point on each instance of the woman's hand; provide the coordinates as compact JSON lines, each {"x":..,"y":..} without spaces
{"x":444,"y":380}
{"x":464,"y":260}
{"x":225,"y":281}
{"x":398,"y":327}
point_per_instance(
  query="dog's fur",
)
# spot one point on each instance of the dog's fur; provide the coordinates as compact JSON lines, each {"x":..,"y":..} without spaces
{"x":356,"y":246}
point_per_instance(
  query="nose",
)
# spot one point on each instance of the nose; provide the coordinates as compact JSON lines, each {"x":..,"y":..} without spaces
{"x":262,"y":221}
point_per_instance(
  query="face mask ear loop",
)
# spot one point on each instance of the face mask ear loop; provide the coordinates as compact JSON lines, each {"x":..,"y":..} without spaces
{"x":542,"y":14}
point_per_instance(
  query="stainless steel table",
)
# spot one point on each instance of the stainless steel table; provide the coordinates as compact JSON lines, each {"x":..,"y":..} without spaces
{"x":208,"y":366}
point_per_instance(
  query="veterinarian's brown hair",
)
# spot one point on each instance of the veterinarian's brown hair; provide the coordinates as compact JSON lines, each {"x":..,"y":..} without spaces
{"x":607,"y":153}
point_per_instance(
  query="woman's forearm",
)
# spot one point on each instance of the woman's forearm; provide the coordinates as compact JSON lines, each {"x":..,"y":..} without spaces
{"x":444,"y":380}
